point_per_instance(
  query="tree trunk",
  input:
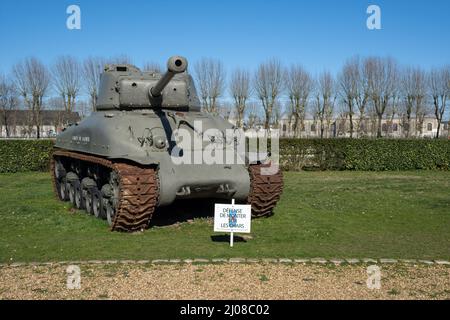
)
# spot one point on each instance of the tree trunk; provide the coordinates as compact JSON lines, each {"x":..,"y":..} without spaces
{"x":38,"y":127}
{"x":267,"y":121}
{"x":351,"y":125}
{"x":321,"y":129}
{"x":359,"y":131}
{"x":408,"y":121}
{"x":379,"y":131}
{"x":5,"y":120}
{"x":296,"y":125}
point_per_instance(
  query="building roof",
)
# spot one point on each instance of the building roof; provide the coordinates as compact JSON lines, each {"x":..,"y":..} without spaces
{"x":48,"y":117}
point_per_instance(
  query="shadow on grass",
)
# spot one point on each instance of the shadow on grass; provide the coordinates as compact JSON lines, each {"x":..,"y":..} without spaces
{"x":226,"y":238}
{"x":184,"y":211}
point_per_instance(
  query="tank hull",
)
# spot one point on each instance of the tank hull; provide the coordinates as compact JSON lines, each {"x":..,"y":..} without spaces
{"x":132,"y":135}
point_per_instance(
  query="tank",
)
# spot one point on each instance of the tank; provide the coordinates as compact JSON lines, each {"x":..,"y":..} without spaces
{"x":120,"y":163}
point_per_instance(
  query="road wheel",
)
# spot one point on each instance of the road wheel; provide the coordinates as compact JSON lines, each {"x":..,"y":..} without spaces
{"x":110,"y":212}
{"x":71,"y":191}
{"x":88,"y":201}
{"x":61,"y":187}
{"x":97,"y":203}
{"x":75,"y":195}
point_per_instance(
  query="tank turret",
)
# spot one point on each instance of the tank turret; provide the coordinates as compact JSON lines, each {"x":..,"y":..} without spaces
{"x":127,"y":87}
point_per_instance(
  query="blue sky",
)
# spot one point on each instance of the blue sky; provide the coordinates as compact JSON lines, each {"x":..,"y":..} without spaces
{"x":318,"y":34}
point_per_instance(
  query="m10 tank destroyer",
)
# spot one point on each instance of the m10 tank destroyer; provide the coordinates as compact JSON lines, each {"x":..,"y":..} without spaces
{"x":117,"y":163}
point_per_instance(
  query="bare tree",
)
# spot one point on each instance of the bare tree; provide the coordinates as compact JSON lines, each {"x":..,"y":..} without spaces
{"x":92,"y":69}
{"x":56,"y":104}
{"x":152,"y":66}
{"x":120,"y":59}
{"x":67,"y":80}
{"x":82,"y":107}
{"x":408,"y":79}
{"x":225,"y":110}
{"x":329,"y":115}
{"x":276,"y":114}
{"x":421,"y":107}
{"x":299,"y":85}
{"x":268,"y":84}
{"x":32,"y":81}
{"x":362,"y":97}
{"x":381,"y":76}
{"x":393,"y":108}
{"x":413,"y":93}
{"x":290,"y":114}
{"x":350,"y":89}
{"x":372,"y":122}
{"x":240,"y":91}
{"x":325,"y":100}
{"x":439,"y":88}
{"x":8,"y":103}
{"x":253,"y":114}
{"x":210,"y":76}
{"x":341,"y":121}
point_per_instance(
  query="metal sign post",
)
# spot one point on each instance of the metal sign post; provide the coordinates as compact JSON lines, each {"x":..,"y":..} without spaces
{"x":232,"y":233}
{"x":231,"y":239}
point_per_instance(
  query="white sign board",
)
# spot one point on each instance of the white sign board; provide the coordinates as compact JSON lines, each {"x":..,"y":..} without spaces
{"x":232,"y":218}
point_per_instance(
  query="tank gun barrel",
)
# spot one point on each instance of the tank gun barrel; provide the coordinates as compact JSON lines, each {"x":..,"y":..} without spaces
{"x":175,"y":64}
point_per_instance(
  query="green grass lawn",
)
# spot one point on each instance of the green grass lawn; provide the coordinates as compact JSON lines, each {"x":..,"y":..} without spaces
{"x":321,"y":214}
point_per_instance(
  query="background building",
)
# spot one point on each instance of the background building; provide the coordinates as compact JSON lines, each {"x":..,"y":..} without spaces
{"x":21,"y":124}
{"x":396,"y":127}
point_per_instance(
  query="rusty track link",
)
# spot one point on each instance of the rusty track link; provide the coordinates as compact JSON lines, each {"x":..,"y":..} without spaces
{"x":138,"y":190}
{"x":265,"y":190}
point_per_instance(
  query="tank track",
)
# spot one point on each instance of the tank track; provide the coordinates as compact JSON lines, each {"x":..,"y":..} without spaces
{"x":138,"y":190}
{"x":265,"y":190}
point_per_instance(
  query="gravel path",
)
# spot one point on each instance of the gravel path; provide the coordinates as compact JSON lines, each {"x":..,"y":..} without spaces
{"x":226,"y":281}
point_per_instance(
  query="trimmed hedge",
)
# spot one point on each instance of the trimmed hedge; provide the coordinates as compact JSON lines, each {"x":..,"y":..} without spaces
{"x":25,"y":155}
{"x":296,"y":154}
{"x":365,"y":154}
